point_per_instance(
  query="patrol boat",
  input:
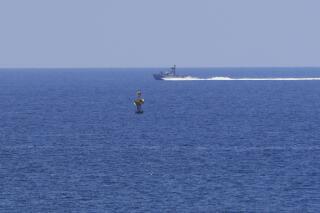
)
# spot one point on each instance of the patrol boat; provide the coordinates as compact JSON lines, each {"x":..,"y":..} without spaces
{"x":168,"y":74}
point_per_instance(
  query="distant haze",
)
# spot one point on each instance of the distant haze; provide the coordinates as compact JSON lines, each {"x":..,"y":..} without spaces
{"x":147,"y":33}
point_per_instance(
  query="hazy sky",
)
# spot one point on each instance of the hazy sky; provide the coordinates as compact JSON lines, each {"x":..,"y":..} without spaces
{"x":153,"y":33}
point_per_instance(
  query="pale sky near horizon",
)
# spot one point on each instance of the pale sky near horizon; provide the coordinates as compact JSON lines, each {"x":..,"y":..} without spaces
{"x":159,"y":33}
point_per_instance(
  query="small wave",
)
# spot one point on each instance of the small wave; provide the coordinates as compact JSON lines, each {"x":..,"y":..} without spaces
{"x":190,"y":78}
{"x":259,"y":149}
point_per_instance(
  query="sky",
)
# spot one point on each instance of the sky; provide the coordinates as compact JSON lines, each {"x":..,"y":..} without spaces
{"x":159,"y":33}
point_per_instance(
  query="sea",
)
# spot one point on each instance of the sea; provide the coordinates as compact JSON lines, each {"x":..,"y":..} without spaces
{"x":221,"y":140}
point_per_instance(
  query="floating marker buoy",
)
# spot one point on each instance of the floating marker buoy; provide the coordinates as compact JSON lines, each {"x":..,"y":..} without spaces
{"x":138,"y":102}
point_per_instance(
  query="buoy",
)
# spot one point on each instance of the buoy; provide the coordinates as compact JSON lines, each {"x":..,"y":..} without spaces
{"x":138,"y":102}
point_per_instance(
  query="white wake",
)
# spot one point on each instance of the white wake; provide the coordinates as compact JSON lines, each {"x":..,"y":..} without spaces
{"x":190,"y":78}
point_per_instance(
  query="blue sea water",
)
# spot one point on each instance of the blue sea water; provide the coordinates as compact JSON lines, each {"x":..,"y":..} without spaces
{"x":71,"y":142}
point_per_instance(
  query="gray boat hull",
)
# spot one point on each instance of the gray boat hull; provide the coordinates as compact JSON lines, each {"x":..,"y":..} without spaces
{"x":158,"y":76}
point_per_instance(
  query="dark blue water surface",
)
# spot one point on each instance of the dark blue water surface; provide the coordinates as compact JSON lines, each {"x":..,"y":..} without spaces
{"x":71,"y":142}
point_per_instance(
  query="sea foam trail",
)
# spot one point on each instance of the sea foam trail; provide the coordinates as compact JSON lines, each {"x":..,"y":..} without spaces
{"x":190,"y":78}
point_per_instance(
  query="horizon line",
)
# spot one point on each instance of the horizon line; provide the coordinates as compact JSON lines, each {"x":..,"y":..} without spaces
{"x":153,"y":67}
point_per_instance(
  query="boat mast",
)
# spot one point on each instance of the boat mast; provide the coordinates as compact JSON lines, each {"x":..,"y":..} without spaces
{"x":174,"y":69}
